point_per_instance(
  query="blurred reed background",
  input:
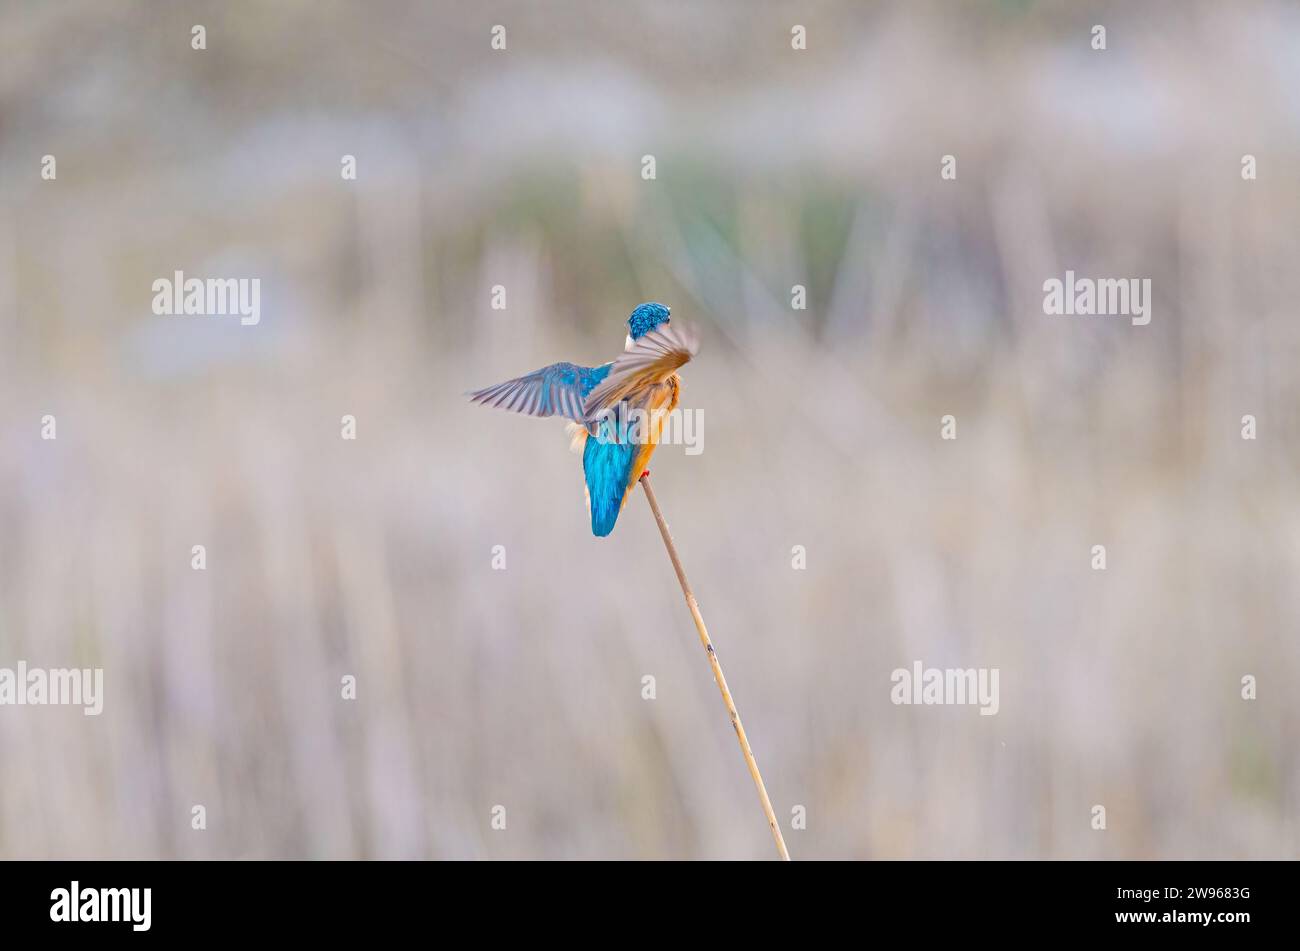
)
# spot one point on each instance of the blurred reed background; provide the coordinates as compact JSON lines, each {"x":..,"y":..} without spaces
{"x":523,"y":687}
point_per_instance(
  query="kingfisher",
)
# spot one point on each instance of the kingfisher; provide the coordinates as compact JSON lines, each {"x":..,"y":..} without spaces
{"x":616,"y":410}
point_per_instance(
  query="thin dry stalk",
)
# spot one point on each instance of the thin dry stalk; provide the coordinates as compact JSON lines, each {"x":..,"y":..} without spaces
{"x":717,"y":668}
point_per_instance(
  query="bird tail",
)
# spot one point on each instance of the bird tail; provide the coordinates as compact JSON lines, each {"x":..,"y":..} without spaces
{"x":606,"y":466}
{"x":604,"y":515}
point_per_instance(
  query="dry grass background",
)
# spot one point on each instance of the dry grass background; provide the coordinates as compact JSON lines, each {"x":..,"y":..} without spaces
{"x":522,"y":687}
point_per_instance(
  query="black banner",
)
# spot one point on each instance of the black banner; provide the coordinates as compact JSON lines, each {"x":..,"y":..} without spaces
{"x":1220,"y":901}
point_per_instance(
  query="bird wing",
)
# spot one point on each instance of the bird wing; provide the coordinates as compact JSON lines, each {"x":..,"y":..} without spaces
{"x":560,"y":388}
{"x":653,"y":359}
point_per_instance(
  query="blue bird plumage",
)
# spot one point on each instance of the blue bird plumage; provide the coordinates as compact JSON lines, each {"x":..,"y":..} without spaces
{"x":607,"y":466}
{"x":644,"y":377}
{"x":646,"y":318}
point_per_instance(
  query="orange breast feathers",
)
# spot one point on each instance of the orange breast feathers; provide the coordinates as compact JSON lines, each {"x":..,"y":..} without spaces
{"x":659,"y":402}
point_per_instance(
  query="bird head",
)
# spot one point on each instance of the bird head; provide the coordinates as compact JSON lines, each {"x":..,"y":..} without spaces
{"x":646,"y":318}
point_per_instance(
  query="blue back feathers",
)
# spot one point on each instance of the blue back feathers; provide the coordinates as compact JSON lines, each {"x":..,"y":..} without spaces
{"x":607,"y":466}
{"x":646,"y":318}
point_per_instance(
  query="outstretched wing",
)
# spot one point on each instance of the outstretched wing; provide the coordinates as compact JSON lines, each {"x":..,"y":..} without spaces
{"x":561,"y":388}
{"x":652,"y":359}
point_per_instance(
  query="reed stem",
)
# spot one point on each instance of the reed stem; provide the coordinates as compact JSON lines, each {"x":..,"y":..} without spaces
{"x":717,"y":668}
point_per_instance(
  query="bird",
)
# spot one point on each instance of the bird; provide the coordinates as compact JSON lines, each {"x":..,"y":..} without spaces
{"x":616,"y":410}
